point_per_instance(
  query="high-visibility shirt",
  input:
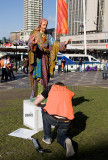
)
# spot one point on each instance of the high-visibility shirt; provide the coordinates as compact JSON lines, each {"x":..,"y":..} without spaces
{"x":59,"y":102}
{"x":1,"y":63}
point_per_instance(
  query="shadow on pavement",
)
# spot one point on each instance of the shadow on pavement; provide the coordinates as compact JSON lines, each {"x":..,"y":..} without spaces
{"x":21,"y":76}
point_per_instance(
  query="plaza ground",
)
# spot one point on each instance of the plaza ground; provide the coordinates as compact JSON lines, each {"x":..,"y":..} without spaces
{"x":90,"y":78}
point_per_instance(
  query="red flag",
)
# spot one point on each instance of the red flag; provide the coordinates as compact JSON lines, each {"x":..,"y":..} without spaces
{"x":62,"y":13}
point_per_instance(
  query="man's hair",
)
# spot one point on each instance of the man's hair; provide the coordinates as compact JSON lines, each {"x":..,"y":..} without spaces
{"x":59,"y":83}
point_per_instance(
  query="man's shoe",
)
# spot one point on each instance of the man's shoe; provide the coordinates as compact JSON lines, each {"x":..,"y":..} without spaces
{"x":69,"y":148}
{"x":47,"y":140}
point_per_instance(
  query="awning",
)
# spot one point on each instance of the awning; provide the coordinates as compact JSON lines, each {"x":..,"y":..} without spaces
{"x":2,"y":54}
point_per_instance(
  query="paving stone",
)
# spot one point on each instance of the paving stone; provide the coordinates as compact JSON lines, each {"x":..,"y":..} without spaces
{"x":70,"y":79}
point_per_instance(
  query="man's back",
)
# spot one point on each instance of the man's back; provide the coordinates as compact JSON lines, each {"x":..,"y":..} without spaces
{"x":59,"y":102}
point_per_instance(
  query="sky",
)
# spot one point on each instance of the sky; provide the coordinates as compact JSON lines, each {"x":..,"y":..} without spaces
{"x":12,"y":15}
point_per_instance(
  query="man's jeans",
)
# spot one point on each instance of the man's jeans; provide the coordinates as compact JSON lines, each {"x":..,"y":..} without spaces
{"x":62,"y":128}
{"x":59,"y":68}
{"x":104,"y":75}
{"x":80,"y":68}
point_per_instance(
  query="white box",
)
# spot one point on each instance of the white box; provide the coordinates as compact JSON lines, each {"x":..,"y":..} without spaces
{"x":32,"y":116}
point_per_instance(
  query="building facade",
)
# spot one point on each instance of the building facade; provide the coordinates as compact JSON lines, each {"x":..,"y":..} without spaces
{"x":96,"y":24}
{"x":15,"y":36}
{"x":96,"y":16}
{"x":95,"y":41}
{"x":33,"y":10}
{"x":75,"y":16}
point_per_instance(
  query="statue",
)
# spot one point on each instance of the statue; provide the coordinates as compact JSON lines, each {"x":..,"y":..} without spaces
{"x":42,"y":52}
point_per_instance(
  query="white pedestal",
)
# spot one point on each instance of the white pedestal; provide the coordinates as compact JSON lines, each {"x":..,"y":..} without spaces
{"x":32,"y":116}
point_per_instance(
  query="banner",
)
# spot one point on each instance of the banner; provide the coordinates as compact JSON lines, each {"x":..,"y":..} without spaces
{"x":62,"y":14}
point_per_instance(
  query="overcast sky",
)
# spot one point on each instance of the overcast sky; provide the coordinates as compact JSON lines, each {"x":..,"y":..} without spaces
{"x":12,"y":15}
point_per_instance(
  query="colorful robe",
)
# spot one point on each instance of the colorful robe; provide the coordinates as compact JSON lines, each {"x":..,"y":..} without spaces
{"x":42,"y":56}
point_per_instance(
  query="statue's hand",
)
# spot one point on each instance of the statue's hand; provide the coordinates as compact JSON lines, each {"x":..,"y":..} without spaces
{"x":45,"y":50}
{"x":34,"y":41}
{"x":69,"y":40}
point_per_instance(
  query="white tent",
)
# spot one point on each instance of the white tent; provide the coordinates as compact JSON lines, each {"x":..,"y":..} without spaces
{"x":2,"y":54}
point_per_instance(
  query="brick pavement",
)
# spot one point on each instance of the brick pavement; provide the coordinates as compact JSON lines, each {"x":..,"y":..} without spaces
{"x":91,"y":78}
{"x":21,"y":81}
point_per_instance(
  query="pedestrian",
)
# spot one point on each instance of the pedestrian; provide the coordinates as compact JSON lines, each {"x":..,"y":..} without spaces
{"x":10,"y":69}
{"x":25,"y":65}
{"x":80,"y":65}
{"x":4,"y":70}
{"x":105,"y":69}
{"x":58,"y":112}
{"x":0,"y":62}
{"x":63,"y":65}
{"x":1,"y":65}
{"x":59,"y":65}
{"x":27,"y":62}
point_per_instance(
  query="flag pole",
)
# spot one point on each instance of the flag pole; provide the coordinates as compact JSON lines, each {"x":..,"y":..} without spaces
{"x":85,"y":50}
{"x":56,"y":21}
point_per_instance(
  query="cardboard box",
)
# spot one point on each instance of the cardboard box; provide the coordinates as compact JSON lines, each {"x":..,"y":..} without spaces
{"x":32,"y":116}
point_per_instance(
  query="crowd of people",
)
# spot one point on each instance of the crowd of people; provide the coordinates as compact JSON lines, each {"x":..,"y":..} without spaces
{"x":62,"y":63}
{"x":6,"y":64}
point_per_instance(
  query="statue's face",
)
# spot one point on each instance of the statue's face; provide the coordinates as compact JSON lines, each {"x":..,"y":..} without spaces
{"x":43,"y":26}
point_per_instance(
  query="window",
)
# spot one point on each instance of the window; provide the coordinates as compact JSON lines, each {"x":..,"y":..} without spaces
{"x":76,"y":59}
{"x":81,"y":58}
{"x":95,"y":41}
{"x":86,"y":59}
{"x":71,"y":58}
{"x":102,"y":41}
{"x":92,"y":59}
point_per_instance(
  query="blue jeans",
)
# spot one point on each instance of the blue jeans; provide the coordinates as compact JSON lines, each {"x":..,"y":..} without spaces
{"x":62,"y":128}
{"x":80,"y":68}
{"x":104,"y":75}
{"x":59,"y":68}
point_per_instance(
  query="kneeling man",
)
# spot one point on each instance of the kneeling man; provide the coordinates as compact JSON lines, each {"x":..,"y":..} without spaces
{"x":58,"y":112}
